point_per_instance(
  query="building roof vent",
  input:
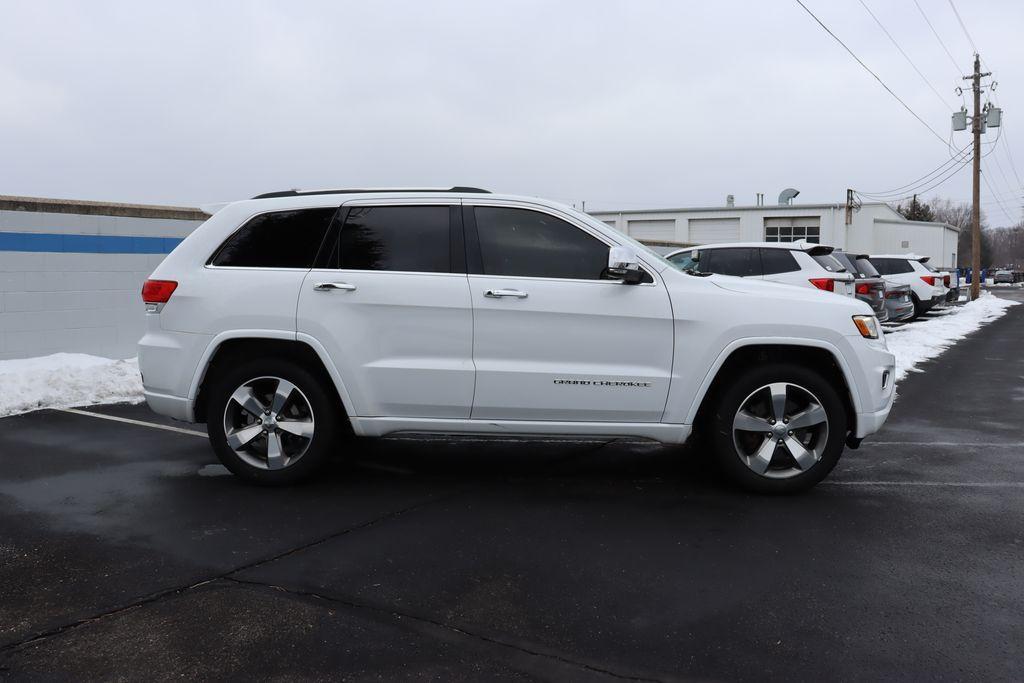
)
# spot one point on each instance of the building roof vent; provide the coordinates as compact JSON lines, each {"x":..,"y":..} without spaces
{"x":787,"y":195}
{"x":730,"y":200}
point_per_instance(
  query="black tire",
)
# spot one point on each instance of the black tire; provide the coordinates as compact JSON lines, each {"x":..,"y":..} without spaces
{"x":729,"y":401}
{"x":919,"y":308}
{"x":327,"y":414}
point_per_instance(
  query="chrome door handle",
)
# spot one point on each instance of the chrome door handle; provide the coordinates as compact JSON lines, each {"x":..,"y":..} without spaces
{"x":499,"y":293}
{"x":330,"y":286}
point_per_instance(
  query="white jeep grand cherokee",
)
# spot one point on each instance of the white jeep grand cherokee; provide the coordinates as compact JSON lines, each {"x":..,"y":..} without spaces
{"x":293,"y":320}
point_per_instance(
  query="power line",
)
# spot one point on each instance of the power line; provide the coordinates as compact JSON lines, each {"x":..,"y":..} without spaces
{"x":936,"y":34}
{"x":964,"y":27}
{"x":960,"y":155}
{"x":922,"y":189}
{"x":1002,"y":208}
{"x":905,"y":55}
{"x":866,"y":68}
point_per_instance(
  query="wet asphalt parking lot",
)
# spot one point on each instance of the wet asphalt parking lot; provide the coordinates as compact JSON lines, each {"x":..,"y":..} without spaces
{"x":126,"y":553}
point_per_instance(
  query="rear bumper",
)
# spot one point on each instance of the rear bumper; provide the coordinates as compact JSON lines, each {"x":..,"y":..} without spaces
{"x":174,"y":407}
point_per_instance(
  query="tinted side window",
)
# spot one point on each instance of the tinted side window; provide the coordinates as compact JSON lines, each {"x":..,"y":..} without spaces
{"x":892,"y":266}
{"x":775,"y":261}
{"x":409,"y":238}
{"x":739,"y":262}
{"x":283,"y":239}
{"x":532,"y":244}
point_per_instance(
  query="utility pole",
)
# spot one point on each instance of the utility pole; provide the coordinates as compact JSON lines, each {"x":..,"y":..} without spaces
{"x":976,"y":123}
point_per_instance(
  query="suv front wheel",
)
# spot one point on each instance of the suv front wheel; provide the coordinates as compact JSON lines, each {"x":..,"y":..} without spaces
{"x":779,"y":428}
{"x":271,"y":420}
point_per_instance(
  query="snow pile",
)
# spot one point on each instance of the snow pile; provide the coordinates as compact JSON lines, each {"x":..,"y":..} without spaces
{"x":67,"y":379}
{"x":926,"y":338}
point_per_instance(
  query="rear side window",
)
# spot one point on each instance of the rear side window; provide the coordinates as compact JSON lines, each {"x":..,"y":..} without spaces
{"x":775,"y":261}
{"x":405,"y":238}
{"x":829,"y":263}
{"x":282,"y":239}
{"x":738,"y":262}
{"x":520,"y":242}
{"x":892,"y":266}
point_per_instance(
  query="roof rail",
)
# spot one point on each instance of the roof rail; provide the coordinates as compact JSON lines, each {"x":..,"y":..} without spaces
{"x":303,"y":193}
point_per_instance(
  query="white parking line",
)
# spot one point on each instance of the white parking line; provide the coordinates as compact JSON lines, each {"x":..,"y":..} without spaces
{"x":966,"y":444}
{"x":949,"y":484}
{"x":114,"y":418}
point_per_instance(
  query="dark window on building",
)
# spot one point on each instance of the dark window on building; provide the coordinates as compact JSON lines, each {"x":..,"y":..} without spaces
{"x":283,"y":239}
{"x":741,"y":262}
{"x":404,"y":238}
{"x":892,"y":266}
{"x":775,"y":261}
{"x":533,"y":244}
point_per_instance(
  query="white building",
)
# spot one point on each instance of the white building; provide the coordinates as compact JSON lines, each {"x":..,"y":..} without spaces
{"x":874,"y":228}
{"x":71,"y":272}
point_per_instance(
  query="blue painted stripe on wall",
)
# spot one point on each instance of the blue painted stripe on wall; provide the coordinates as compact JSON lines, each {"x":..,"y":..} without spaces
{"x":86,"y":244}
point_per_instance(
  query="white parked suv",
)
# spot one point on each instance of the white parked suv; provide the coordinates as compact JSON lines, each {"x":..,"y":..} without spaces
{"x":792,"y":263}
{"x":292,"y":320}
{"x":928,"y":286}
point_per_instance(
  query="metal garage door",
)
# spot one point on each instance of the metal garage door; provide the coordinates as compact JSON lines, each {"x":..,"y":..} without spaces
{"x":710,"y":230}
{"x":663,"y":230}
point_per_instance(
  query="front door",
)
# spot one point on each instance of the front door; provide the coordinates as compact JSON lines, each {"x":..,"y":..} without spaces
{"x":553,"y":338}
{"x":390,"y":303}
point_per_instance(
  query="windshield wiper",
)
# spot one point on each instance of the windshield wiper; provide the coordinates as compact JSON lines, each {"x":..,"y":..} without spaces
{"x":695,"y":273}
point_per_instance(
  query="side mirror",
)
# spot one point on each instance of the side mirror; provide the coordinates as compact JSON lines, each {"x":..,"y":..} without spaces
{"x":624,"y":264}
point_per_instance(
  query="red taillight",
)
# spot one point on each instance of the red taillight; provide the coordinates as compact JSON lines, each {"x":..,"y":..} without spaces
{"x":863,"y":288}
{"x":825,"y":283}
{"x":158,"y":291}
{"x":929,"y":279}
{"x":945,"y":280}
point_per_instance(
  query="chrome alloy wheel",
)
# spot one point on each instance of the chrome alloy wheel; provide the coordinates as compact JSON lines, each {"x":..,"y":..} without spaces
{"x":780,"y":430}
{"x":268,"y":422}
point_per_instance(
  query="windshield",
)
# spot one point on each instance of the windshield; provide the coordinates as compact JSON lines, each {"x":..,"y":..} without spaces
{"x":845,"y":261}
{"x":683,"y":260}
{"x":829,"y":263}
{"x":865,"y":268}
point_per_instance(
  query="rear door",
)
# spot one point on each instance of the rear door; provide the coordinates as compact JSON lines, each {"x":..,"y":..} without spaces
{"x":553,"y":339}
{"x":737,"y":261}
{"x":779,"y":265}
{"x":389,"y":300}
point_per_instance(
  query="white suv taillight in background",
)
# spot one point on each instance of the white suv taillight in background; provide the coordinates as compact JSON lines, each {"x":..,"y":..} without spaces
{"x":155,"y":293}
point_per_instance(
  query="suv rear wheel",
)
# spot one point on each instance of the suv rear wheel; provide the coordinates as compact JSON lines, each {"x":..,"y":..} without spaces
{"x":271,"y":420}
{"x":779,"y":429}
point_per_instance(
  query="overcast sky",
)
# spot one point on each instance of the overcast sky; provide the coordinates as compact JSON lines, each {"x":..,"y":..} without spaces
{"x":622,"y":104}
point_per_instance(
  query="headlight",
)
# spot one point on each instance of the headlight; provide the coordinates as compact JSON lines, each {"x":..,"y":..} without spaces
{"x":867,"y":325}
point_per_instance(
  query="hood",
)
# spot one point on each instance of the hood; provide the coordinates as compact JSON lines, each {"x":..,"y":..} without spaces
{"x":744,"y":285}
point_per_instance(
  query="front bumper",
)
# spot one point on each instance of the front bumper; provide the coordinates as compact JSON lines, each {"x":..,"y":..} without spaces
{"x":874,"y":377}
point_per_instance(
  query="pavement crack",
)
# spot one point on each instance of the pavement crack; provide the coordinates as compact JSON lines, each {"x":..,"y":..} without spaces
{"x":177,"y":590}
{"x":351,"y":604}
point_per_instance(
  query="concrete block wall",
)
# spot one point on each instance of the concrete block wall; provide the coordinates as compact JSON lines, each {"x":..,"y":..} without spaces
{"x":60,"y":291}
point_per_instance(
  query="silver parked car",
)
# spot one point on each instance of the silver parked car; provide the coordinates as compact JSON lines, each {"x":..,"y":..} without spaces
{"x":868,"y":286}
{"x":1002,"y":276}
{"x":898,"y":302}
